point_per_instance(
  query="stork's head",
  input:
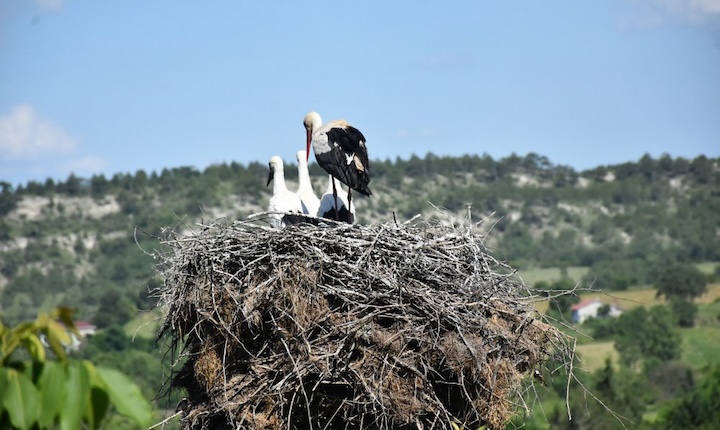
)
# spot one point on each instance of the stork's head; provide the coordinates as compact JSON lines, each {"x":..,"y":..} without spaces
{"x":312,"y":122}
{"x":274,"y":164}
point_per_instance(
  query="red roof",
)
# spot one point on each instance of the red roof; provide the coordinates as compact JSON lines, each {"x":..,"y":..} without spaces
{"x":584,"y":303}
{"x":82,"y":325}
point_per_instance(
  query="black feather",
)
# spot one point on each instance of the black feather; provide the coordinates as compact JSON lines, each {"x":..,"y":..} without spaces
{"x":345,"y":215}
{"x":345,"y":142}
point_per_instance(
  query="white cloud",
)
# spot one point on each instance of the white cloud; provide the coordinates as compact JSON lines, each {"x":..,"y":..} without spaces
{"x":24,"y":135}
{"x":686,"y":10}
{"x":85,"y":166}
{"x":51,"y":5}
{"x":703,"y":7}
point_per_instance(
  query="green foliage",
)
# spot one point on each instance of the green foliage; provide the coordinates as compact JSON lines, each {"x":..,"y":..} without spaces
{"x":683,"y":281}
{"x":685,"y":311}
{"x":37,"y":392}
{"x":670,"y":379}
{"x":625,"y":231}
{"x":699,"y":409}
{"x":115,"y":309}
{"x":8,"y":198}
{"x":560,"y":297}
{"x":643,"y":334}
{"x":601,"y":328}
{"x":611,"y":275}
{"x":137,"y":357}
{"x":619,"y":397}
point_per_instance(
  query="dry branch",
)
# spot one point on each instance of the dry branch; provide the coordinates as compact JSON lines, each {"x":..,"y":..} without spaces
{"x":336,"y":326}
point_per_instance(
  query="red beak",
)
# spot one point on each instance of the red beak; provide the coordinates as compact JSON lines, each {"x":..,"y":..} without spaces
{"x":309,"y":141}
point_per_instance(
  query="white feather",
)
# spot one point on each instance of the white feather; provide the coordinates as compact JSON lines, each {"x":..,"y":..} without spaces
{"x":327,"y":204}
{"x":282,"y":200}
{"x":310,"y":202}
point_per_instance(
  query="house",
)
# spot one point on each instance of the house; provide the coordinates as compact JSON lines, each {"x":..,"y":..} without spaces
{"x":589,"y":308}
{"x":85,"y":329}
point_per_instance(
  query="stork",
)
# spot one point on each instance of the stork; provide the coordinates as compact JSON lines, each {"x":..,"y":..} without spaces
{"x":336,"y":207}
{"x":283,"y":200}
{"x":310,"y":202}
{"x":340,"y":150}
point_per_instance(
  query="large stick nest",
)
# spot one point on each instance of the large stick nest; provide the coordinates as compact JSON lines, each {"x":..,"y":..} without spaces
{"x":348,"y":327}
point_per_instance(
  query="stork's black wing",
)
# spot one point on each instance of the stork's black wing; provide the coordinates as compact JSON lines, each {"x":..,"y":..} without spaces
{"x":347,"y":159}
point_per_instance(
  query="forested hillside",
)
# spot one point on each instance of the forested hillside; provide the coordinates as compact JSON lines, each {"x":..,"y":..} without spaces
{"x":88,"y":242}
{"x":80,"y":241}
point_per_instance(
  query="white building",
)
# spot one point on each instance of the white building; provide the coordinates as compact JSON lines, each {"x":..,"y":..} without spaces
{"x":589,"y":308}
{"x":84,"y":328}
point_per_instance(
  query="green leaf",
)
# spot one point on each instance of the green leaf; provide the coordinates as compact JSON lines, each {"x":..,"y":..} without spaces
{"x":35,"y":347}
{"x":98,"y":408}
{"x":58,"y":337}
{"x":78,"y":388}
{"x":21,"y":399}
{"x":3,"y":388}
{"x":99,"y":397}
{"x":65,"y":314}
{"x":52,"y":384}
{"x":126,"y":396}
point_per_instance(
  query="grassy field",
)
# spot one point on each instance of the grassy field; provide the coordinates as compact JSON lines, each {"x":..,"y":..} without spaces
{"x":593,"y":355}
{"x":550,"y":274}
{"x":708,"y":267}
{"x":576,"y":273}
{"x":700,"y":344}
{"x":641,"y":297}
{"x":701,"y":347}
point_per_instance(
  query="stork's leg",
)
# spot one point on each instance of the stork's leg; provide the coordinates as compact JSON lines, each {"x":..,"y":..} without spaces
{"x":349,"y":198}
{"x":337,"y":212}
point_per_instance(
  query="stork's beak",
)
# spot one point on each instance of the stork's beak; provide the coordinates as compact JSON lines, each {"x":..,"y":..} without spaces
{"x":271,"y":173}
{"x":309,"y":141}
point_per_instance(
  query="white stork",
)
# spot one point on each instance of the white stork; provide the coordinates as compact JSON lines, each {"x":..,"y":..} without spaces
{"x":329,"y":203}
{"x":340,"y":150}
{"x":310,"y":202}
{"x":282,"y":200}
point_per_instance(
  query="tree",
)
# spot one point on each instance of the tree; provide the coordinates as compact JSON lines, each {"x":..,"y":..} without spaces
{"x":609,"y":275}
{"x":643,"y":335}
{"x":99,"y":186}
{"x":40,"y":392}
{"x":72,"y":186}
{"x":685,"y":311}
{"x":115,"y":309}
{"x":8,"y":198}
{"x":671,"y":379}
{"x":699,"y":409}
{"x":562,"y":299}
{"x":681,"y":280}
{"x":623,"y":394}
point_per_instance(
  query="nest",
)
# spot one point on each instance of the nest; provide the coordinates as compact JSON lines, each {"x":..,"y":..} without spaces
{"x":342,"y":326}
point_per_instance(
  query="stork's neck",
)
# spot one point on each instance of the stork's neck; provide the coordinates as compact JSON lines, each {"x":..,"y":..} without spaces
{"x":279,"y":181}
{"x":304,"y":176}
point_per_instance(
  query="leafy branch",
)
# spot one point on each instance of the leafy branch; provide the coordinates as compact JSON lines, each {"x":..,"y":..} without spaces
{"x":43,"y":391}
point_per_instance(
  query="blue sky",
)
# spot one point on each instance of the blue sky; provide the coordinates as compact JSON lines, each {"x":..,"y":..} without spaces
{"x":116,"y":86}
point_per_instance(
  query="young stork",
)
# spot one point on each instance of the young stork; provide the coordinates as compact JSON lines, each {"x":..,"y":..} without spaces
{"x":340,"y":150}
{"x":283,"y":200}
{"x":310,"y":202}
{"x":336,"y":207}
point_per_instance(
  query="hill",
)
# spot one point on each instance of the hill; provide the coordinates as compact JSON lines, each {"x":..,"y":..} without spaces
{"x":76,"y":241}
